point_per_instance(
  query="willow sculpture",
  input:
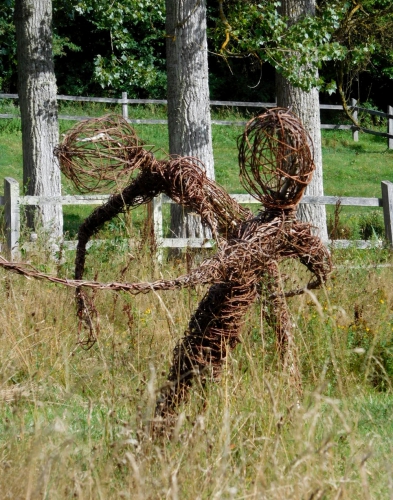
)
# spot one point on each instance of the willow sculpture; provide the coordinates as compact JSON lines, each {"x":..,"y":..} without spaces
{"x":276,"y":165}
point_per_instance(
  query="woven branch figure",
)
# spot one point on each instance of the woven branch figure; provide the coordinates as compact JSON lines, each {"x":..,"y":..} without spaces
{"x":276,"y":165}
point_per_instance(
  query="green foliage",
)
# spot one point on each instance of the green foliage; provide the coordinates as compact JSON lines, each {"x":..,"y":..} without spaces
{"x":7,"y":45}
{"x":372,"y":225}
{"x":135,"y":59}
{"x":257,"y":28}
{"x":8,"y":62}
{"x":341,"y":40}
{"x":105,"y":47}
{"x":371,"y":121}
{"x":61,"y":44}
{"x":366,"y":32}
{"x":116,"y":45}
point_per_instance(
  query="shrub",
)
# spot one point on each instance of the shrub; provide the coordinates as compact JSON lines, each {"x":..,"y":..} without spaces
{"x":371,"y":225}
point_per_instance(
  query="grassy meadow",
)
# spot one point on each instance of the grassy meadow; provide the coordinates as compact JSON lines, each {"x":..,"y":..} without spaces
{"x":75,"y":423}
{"x":350,"y":169}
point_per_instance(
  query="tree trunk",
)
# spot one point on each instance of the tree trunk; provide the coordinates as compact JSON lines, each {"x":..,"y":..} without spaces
{"x":38,"y":106}
{"x":188,"y":96}
{"x":306,"y":106}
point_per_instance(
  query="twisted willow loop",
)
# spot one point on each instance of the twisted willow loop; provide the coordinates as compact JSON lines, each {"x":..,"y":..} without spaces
{"x":276,"y":162}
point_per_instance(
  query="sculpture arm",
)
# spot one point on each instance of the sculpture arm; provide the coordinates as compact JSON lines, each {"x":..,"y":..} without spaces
{"x":312,"y":253}
{"x":141,"y":190}
{"x":182,"y":180}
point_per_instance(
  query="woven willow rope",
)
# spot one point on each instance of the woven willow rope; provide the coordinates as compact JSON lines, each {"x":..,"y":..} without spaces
{"x":275,"y":164}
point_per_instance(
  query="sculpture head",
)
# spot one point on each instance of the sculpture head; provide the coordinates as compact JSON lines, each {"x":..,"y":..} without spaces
{"x":101,"y":153}
{"x":275,"y":158}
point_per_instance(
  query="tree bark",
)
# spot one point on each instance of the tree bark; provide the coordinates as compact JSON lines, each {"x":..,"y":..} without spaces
{"x":38,"y":106}
{"x":189,"y":121}
{"x":306,"y":106}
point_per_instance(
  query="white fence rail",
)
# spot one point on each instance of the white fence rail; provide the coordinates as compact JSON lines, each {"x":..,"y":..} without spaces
{"x":12,"y":201}
{"x":124,"y":101}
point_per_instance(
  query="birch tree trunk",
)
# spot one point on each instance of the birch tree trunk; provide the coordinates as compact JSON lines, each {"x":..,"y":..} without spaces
{"x":188,"y":97}
{"x":38,"y":107}
{"x":306,"y":106}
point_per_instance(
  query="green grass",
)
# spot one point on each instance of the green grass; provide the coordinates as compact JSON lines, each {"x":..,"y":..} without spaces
{"x":11,"y":155}
{"x":355,"y":169}
{"x":350,"y":169}
{"x":75,"y":423}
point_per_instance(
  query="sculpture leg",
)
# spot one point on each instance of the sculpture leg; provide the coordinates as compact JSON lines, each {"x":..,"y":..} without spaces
{"x":280,"y":320}
{"x":213,"y":330}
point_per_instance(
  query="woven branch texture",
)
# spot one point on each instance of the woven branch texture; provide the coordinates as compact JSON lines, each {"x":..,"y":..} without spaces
{"x":276,"y":165}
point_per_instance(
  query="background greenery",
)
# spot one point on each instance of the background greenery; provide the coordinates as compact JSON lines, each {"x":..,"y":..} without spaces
{"x":76,"y":424}
{"x":109,"y":46}
{"x":350,"y":168}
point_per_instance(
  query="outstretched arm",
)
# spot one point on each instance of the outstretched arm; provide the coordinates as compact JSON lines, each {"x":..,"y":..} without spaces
{"x":204,"y":274}
{"x":141,"y":190}
{"x":312,"y":253}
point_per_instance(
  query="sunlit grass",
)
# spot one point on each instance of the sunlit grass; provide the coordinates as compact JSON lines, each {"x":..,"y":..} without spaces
{"x":75,"y":423}
{"x":350,"y":169}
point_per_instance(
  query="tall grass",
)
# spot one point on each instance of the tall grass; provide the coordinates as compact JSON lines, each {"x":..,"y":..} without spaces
{"x":76,"y":424}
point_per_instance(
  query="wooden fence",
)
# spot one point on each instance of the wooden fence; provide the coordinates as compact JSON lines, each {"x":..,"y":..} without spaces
{"x":12,"y":201}
{"x":124,"y":101}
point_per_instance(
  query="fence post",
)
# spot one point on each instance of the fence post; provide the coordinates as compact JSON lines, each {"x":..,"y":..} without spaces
{"x":157,"y":225}
{"x":355,"y":133}
{"x":387,"y":202}
{"x":124,"y":105}
{"x":390,"y":127}
{"x":12,"y":216}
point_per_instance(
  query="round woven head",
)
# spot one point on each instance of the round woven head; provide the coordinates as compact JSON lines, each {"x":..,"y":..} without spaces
{"x":276,"y":162}
{"x":100,"y":152}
